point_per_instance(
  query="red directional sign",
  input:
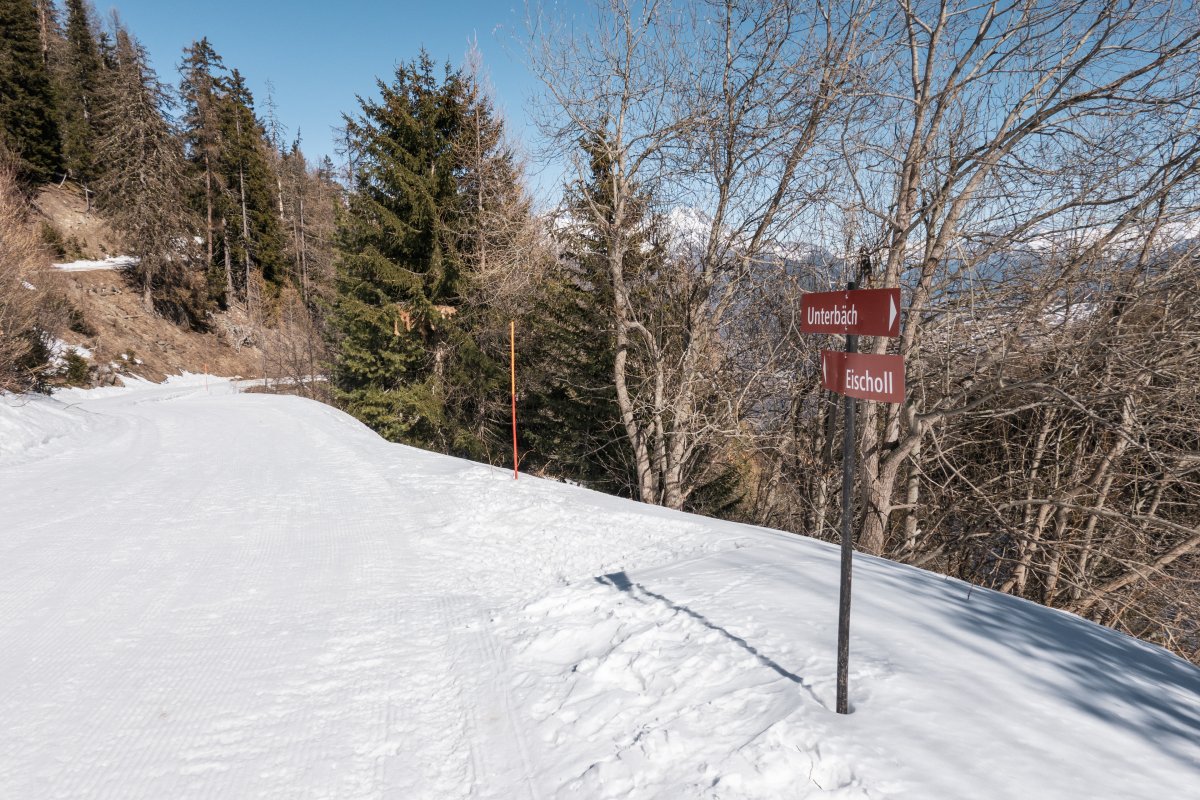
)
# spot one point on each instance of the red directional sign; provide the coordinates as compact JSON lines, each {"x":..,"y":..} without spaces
{"x":863,"y":375}
{"x":867,"y":312}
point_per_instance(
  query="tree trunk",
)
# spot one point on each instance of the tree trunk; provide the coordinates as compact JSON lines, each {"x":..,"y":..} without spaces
{"x":229,"y":295}
{"x":245,"y":233}
{"x":208,"y":208}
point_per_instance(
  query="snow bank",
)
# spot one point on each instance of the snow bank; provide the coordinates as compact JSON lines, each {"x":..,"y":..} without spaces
{"x":110,"y":263}
{"x":28,"y":422}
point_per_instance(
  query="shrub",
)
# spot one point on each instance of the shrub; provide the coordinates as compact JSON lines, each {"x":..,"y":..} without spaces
{"x":53,"y":241}
{"x":23,"y":309}
{"x":77,"y":371}
{"x":79,"y":323}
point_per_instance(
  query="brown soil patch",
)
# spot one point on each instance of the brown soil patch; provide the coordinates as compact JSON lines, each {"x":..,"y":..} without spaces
{"x":126,"y":333}
{"x":65,"y":208}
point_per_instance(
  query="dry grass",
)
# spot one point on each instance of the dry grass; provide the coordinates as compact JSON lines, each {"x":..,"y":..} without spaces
{"x":25,"y":313}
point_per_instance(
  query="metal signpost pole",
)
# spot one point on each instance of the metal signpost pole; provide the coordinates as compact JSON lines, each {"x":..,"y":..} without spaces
{"x":848,"y":452}
{"x":512,"y":362}
{"x":875,"y":377}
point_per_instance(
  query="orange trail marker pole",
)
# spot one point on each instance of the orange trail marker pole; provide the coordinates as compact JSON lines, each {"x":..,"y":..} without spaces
{"x":512,"y":361}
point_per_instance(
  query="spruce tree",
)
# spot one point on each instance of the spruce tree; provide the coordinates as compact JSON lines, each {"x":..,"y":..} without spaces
{"x":253,"y":233}
{"x":581,"y":416}
{"x":202,"y":78}
{"x":235,"y":179}
{"x":28,"y":126}
{"x":573,"y":421}
{"x":399,"y":353}
{"x":80,"y":79}
{"x":143,"y":183}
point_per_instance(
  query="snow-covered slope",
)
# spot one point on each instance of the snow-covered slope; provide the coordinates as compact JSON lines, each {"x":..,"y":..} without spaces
{"x":211,"y":594}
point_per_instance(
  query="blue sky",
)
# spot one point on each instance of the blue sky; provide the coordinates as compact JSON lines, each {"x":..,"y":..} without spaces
{"x":319,"y":55}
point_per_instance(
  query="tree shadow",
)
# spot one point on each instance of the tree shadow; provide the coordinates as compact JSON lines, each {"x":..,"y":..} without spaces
{"x":1114,"y":678}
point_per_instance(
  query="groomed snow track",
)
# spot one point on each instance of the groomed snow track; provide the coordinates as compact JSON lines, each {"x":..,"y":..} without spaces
{"x":212,"y":594}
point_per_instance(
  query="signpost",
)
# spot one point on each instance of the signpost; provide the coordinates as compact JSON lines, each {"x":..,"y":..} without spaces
{"x":865,"y":312}
{"x":863,"y":375}
{"x":866,"y":376}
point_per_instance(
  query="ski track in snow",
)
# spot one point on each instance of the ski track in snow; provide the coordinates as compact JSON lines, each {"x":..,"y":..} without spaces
{"x":207,"y":594}
{"x":266,"y":609}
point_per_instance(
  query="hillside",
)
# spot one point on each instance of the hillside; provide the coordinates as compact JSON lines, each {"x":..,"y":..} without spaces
{"x":112,"y":326}
{"x":122,"y":336}
{"x":219,"y":594}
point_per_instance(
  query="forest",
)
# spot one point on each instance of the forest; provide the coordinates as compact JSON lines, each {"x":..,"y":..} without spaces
{"x":1025,"y":171}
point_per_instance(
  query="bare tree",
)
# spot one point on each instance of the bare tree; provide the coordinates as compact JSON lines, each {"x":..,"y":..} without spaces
{"x":504,"y":248}
{"x":724,"y":124}
{"x":1026,"y":171}
{"x":1010,"y":125}
{"x":1079,"y":487}
{"x":143,"y":183}
{"x":295,"y":353}
{"x":501,"y":237}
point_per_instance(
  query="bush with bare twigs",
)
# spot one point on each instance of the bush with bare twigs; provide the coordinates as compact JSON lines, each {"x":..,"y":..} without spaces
{"x":23,"y":307}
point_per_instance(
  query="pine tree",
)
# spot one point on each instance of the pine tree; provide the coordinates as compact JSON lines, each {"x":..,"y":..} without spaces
{"x":28,"y":126}
{"x":144,"y":180}
{"x":399,"y":353}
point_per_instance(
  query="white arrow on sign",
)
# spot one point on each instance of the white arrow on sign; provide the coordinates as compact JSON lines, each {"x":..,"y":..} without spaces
{"x":891,"y":312}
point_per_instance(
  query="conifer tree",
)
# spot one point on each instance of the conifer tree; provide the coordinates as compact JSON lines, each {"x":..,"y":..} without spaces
{"x":143,"y":183}
{"x":28,"y":126}
{"x":657,"y":291}
{"x":236,"y":178}
{"x":254,"y":240}
{"x":570,"y":421}
{"x":201,"y":80}
{"x":309,"y":199}
{"x":50,"y":33}
{"x":80,"y":78}
{"x":399,"y":353}
{"x":575,"y":423}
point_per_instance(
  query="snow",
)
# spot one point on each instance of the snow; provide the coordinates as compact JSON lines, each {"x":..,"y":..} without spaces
{"x":210,"y":593}
{"x":690,"y":228}
{"x":59,"y":350}
{"x":27,"y":422}
{"x":112,"y":262}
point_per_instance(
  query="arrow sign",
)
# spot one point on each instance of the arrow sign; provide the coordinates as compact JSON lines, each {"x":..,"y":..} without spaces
{"x":866,"y":312}
{"x":863,"y":375}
